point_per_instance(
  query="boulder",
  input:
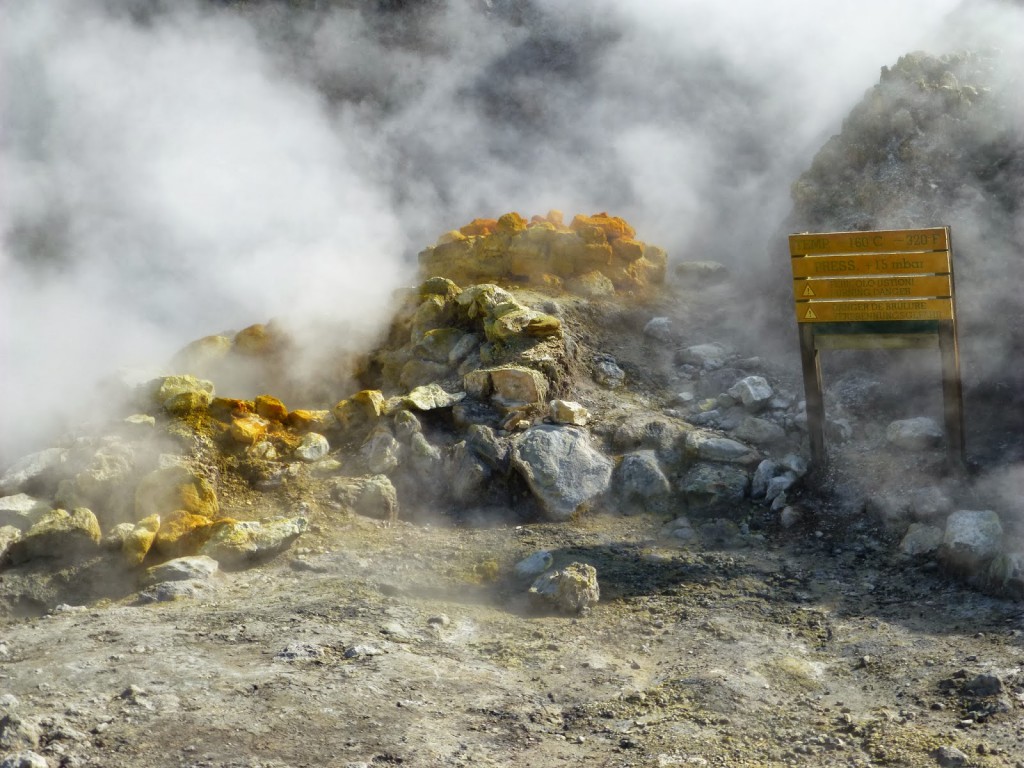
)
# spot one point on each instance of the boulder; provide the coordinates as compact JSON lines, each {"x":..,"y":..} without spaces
{"x":707,"y":356}
{"x":917,"y":434}
{"x":640,"y":482}
{"x":32,"y":472}
{"x":58,"y":534}
{"x":572,"y":589}
{"x":562,"y":468}
{"x":759,"y":431}
{"x":372,"y":496}
{"x":921,"y":539}
{"x":195,"y":567}
{"x":711,"y":447}
{"x":753,"y":391}
{"x":239,"y":542}
{"x":381,"y":452}
{"x":971,"y":540}
{"x":182,"y":533}
{"x":713,"y":485}
{"x":22,"y":511}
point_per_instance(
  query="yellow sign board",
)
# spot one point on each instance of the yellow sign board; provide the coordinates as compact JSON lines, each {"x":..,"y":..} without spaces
{"x":873,"y":311}
{"x":874,"y":264}
{"x":892,"y":286}
{"x":882,"y":241}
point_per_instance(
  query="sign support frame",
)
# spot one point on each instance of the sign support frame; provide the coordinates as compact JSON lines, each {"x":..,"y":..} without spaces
{"x":864,"y":333}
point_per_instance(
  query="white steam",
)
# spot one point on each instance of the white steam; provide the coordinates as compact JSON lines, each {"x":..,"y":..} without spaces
{"x":169,"y":174}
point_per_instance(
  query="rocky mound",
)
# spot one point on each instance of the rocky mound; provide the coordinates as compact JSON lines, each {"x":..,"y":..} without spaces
{"x":511,"y":404}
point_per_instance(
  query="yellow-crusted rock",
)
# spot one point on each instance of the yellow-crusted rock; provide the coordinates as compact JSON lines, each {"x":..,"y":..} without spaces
{"x":612,"y":226}
{"x":302,"y":420}
{"x":183,"y":533}
{"x":362,"y":410}
{"x":139,"y":540}
{"x":58,"y":534}
{"x":271,"y":408}
{"x":164,"y":491}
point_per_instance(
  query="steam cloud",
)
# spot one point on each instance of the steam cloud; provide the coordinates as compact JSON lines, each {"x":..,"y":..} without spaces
{"x":172,"y":173}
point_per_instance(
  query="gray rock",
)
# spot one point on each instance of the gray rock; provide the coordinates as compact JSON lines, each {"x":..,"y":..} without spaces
{"x":424,"y":458}
{"x":468,"y":475}
{"x":312,"y":447}
{"x":562,"y":468}
{"x":753,"y":391}
{"x":701,"y":272}
{"x":921,"y":539}
{"x":765,"y":471}
{"x":759,"y":431}
{"x":930,"y":503}
{"x":778,"y":485}
{"x":707,"y":356}
{"x":951,"y":757}
{"x":406,"y":425}
{"x":790,"y":516}
{"x":431,"y":397}
{"x":714,"y":485}
{"x":485,"y":443}
{"x":35,"y":470}
{"x":194,"y":568}
{"x":22,"y":511}
{"x":972,"y":538}
{"x":1006,"y":575}
{"x":18,"y":733}
{"x":917,"y":434}
{"x":647,"y":431}
{"x":247,"y":541}
{"x":639,"y":480}
{"x":169,"y":591}
{"x":659,"y":328}
{"x":607,"y":372}
{"x":571,"y":589}
{"x":373,"y":496}
{"x":301,"y":652}
{"x":711,"y":447}
{"x":380,"y":452}
{"x":794,"y":463}
{"x":27,"y":759}
{"x":534,"y":565}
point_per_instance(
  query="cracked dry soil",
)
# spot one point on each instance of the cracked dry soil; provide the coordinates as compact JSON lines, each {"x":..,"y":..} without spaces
{"x":406,"y":645}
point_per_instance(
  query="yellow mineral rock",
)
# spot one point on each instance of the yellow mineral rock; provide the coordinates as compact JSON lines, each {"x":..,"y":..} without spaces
{"x":479,"y":227}
{"x":183,"y":534}
{"x":451,"y":236}
{"x":511,"y":223}
{"x":271,"y":408}
{"x":361,"y":410}
{"x":627,"y":249}
{"x":137,"y":543}
{"x":226,"y":409}
{"x":249,"y":429}
{"x":174,"y":488}
{"x":613,"y":226}
{"x":309,"y":421}
{"x":255,"y":340}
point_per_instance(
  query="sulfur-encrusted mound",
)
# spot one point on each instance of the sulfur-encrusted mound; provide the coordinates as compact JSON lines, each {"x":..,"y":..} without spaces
{"x":546,"y":254}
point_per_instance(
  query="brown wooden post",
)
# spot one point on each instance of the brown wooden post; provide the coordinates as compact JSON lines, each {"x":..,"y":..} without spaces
{"x":952,"y":396}
{"x":815,"y":398}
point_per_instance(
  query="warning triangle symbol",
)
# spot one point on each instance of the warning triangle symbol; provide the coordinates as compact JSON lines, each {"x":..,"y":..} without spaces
{"x":810,"y":315}
{"x":808,"y":291}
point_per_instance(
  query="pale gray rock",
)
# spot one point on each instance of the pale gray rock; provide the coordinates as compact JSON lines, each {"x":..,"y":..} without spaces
{"x":647,"y":431}
{"x":972,"y":538}
{"x":607,"y":372}
{"x":951,"y":757}
{"x":406,"y":425}
{"x":562,"y":468}
{"x":380,"y":452}
{"x":921,"y":539}
{"x":430,"y":397}
{"x":753,"y":391}
{"x":790,"y":516}
{"x":246,"y":541}
{"x":26,"y":759}
{"x":33,"y":470}
{"x":372,"y":496}
{"x":468,"y":475}
{"x":707,"y":356}
{"x":930,"y":503}
{"x":639,"y":480}
{"x":659,"y":329}
{"x":712,"y":447}
{"x":701,"y":272}
{"x":759,"y":431}
{"x":463,"y":349}
{"x":534,"y":565}
{"x":169,"y":591}
{"x":1006,"y":574}
{"x":795,"y":463}
{"x":424,"y":458}
{"x":714,"y":484}
{"x":22,"y":511}
{"x":572,"y":589}
{"x":194,"y":568}
{"x":778,"y":485}
{"x":765,"y":471}
{"x":917,"y":434}
{"x":312,"y":447}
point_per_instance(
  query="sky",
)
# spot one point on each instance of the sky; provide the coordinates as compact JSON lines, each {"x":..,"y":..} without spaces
{"x":172,"y":173}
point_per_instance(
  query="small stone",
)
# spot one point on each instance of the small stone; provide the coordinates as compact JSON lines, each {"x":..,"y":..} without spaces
{"x":607,"y":372}
{"x":571,"y":589}
{"x":916,"y":434}
{"x":534,"y":565}
{"x":238,"y":542}
{"x":431,"y":397}
{"x":971,"y":540}
{"x":951,"y":757}
{"x":790,"y":516}
{"x":194,"y":568}
{"x":753,"y":391}
{"x":707,"y":356}
{"x":921,"y":539}
{"x":659,"y":329}
{"x":24,"y":760}
{"x":568,"y":412}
